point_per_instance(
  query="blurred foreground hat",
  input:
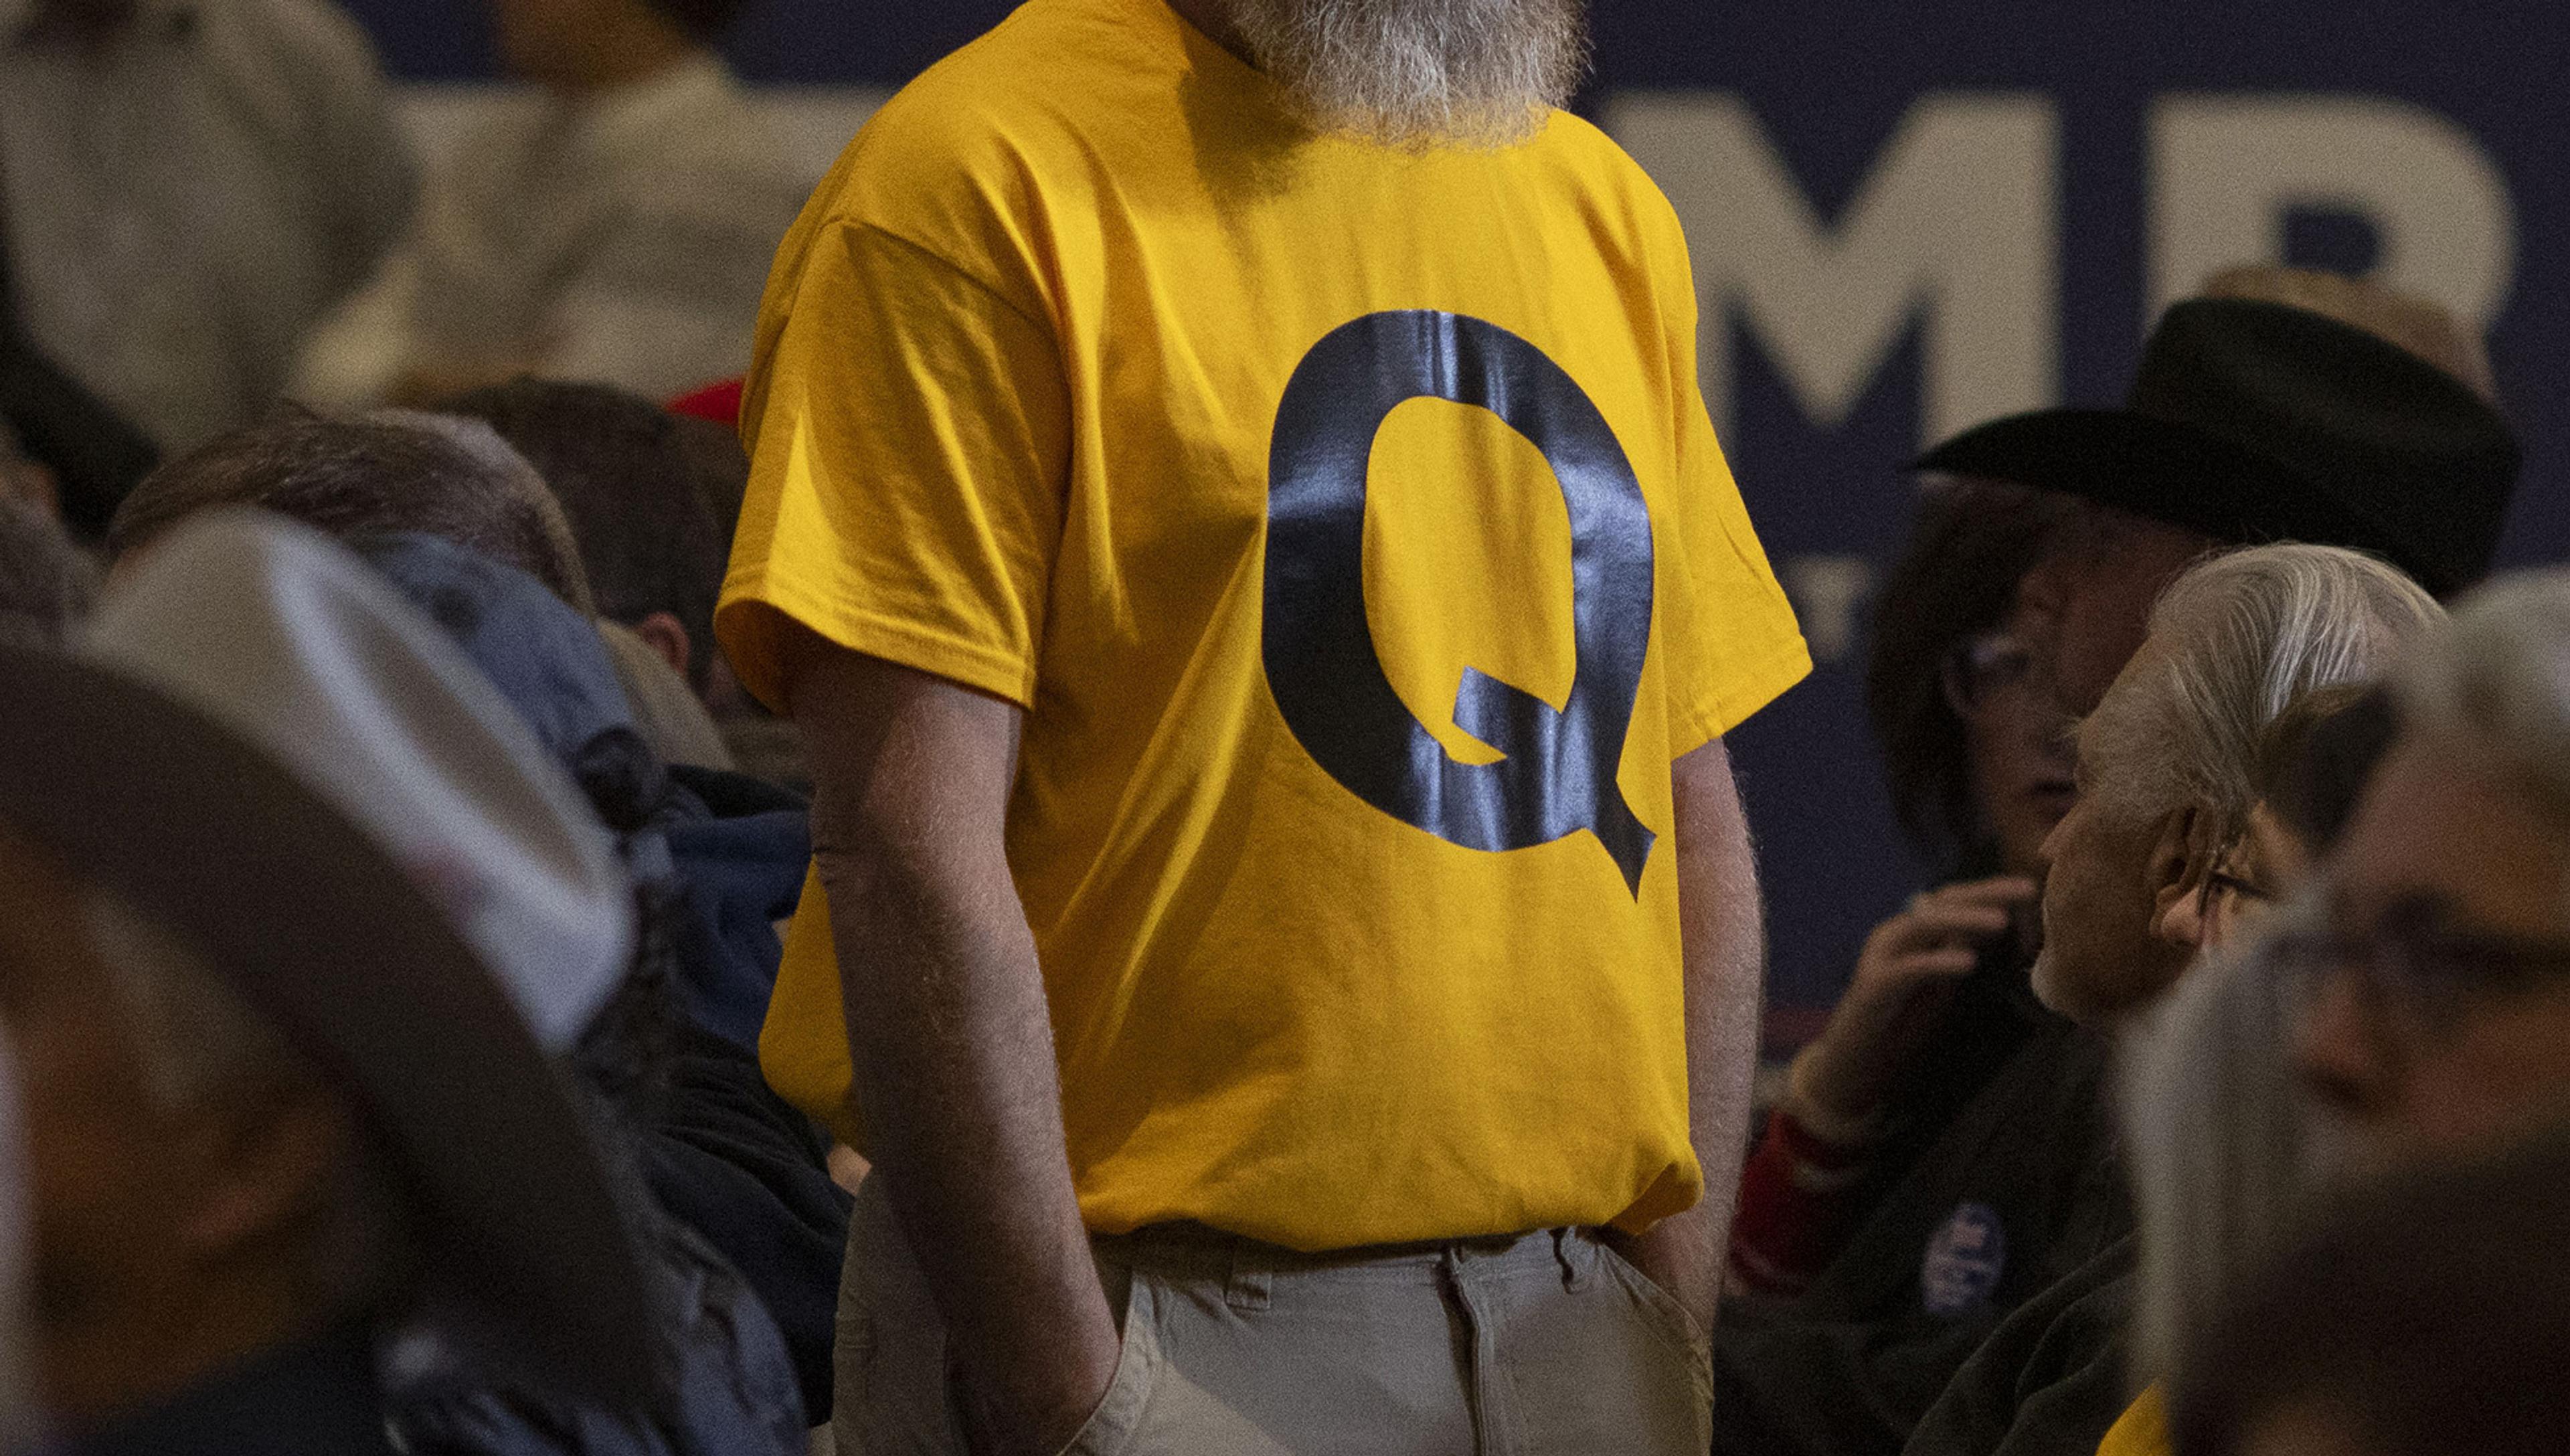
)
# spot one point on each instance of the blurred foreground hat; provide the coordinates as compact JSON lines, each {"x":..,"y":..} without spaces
{"x":266,"y":749}
{"x":2281,"y":408}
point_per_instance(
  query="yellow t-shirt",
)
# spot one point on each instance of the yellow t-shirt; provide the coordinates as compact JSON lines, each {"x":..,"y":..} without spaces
{"x":1239,"y":457}
{"x":2143,"y":1431}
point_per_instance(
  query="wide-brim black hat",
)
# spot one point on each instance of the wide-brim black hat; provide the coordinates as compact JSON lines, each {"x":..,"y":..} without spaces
{"x":2254,"y":422}
{"x":527,"y":1257}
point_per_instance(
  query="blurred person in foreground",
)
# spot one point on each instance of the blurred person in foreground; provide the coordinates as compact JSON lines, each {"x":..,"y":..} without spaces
{"x":294,"y":979}
{"x":408,"y":470}
{"x":722,"y":1154}
{"x":2280,"y":406}
{"x":255,"y":604}
{"x":2225,"y":1163}
{"x":506,"y":591}
{"x":2169,"y":789}
{"x":2427,"y":1319}
{"x":2436,"y":1018}
{"x":47,"y":585}
{"x":2431,"y":1027}
{"x":185,"y":188}
{"x":616,"y":227}
{"x":400,"y":472}
{"x":1255,"y":886}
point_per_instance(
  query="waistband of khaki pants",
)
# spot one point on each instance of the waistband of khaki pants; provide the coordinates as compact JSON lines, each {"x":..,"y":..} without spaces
{"x":1249,"y":1266}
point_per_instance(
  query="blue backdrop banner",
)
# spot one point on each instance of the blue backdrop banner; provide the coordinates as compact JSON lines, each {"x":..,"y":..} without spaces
{"x":1911,"y":216}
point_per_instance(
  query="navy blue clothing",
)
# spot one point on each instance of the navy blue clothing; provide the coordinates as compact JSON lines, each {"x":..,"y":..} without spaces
{"x":741,"y":846}
{"x":318,"y":1398}
{"x":729,"y":1158}
{"x":727,"y":1387}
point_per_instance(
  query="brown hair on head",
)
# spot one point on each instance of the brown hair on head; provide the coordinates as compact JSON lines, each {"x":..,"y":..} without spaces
{"x":1970,"y":545}
{"x":358,"y":478}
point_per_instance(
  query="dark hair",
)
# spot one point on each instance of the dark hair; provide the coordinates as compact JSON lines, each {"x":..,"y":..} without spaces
{"x":46,"y":584}
{"x":2429,"y":1317}
{"x":630,"y":476}
{"x":705,"y":21}
{"x":2316,"y":757}
{"x":380,"y":474}
{"x":1972,"y":542}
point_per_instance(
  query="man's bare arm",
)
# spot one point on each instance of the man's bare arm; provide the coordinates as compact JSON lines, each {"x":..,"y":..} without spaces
{"x":953,"y":1046}
{"x":1725,"y":937}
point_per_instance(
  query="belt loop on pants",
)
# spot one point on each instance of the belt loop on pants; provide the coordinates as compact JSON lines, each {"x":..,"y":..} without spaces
{"x":1247,"y":1287}
{"x":1574,"y":1260}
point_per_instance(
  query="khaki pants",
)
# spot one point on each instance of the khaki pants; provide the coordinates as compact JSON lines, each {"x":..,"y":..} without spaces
{"x":1545,"y":1344}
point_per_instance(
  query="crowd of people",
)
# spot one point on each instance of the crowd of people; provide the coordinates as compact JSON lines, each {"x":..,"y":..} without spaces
{"x":1126,"y":846}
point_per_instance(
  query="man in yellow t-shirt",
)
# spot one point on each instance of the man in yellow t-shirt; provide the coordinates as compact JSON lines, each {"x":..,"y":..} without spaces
{"x":1234,"y":519}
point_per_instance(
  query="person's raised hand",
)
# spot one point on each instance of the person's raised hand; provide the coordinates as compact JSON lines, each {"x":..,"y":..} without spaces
{"x":1905,"y":974}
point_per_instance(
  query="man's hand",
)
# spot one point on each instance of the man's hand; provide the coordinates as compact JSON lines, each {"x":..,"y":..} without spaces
{"x":950,"y":1037}
{"x":1904,"y":977}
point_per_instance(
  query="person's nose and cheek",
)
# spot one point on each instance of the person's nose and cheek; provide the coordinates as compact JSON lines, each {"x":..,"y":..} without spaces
{"x":2339,"y":1050}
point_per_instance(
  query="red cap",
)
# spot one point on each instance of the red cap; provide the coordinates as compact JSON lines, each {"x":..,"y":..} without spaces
{"x":720,"y":403}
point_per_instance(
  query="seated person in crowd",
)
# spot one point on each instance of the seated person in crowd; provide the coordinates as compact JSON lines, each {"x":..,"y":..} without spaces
{"x":618,"y":226}
{"x":291,"y":1089}
{"x":1976,"y":760}
{"x":2168,"y":767}
{"x":401,"y":470}
{"x":2218,"y":1138}
{"x":259,"y":604}
{"x":634,"y":487}
{"x":2392,"y":428}
{"x":367,"y":479}
{"x":653,"y":498}
{"x":46,"y":583}
{"x":2437,"y":995}
{"x":654,"y":551}
{"x":2427,"y":1320}
{"x":723,"y":1153}
{"x":352,"y":478}
{"x":186,"y":187}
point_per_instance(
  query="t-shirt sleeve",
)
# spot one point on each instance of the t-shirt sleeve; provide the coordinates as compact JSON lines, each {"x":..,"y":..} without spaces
{"x":909,"y":430}
{"x":1730,"y":643}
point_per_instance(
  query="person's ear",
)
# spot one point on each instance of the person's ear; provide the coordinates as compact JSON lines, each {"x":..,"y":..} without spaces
{"x":264,"y":1165}
{"x":2181,"y":875}
{"x":664,"y":633}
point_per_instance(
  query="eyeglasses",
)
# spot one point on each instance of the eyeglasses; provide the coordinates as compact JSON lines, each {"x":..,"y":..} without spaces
{"x":1982,"y":667}
{"x":2414,"y":955}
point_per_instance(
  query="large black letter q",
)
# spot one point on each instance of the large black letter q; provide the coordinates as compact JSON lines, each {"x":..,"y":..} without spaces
{"x":1559,"y":776}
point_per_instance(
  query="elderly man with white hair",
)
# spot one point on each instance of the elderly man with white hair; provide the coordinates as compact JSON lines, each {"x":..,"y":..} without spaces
{"x":2169,"y":784}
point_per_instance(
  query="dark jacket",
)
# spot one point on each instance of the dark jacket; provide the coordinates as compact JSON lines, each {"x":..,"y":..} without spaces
{"x":728,"y":1157}
{"x":722,"y":858}
{"x":319,"y":1398}
{"x":741,"y":846}
{"x":2051,"y":1380}
{"x":729,"y":1389}
{"x":1980,"y":1210}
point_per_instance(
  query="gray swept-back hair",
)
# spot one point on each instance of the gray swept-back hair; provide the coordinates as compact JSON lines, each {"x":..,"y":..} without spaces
{"x":2233,"y":644}
{"x":2499,"y":681}
{"x":1421,"y":73}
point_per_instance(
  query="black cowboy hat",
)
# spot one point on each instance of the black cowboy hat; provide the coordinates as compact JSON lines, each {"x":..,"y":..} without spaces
{"x":526,"y":1260}
{"x":2257,"y":422}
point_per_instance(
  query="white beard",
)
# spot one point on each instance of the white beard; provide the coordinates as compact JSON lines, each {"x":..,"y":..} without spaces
{"x":1421,"y":73}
